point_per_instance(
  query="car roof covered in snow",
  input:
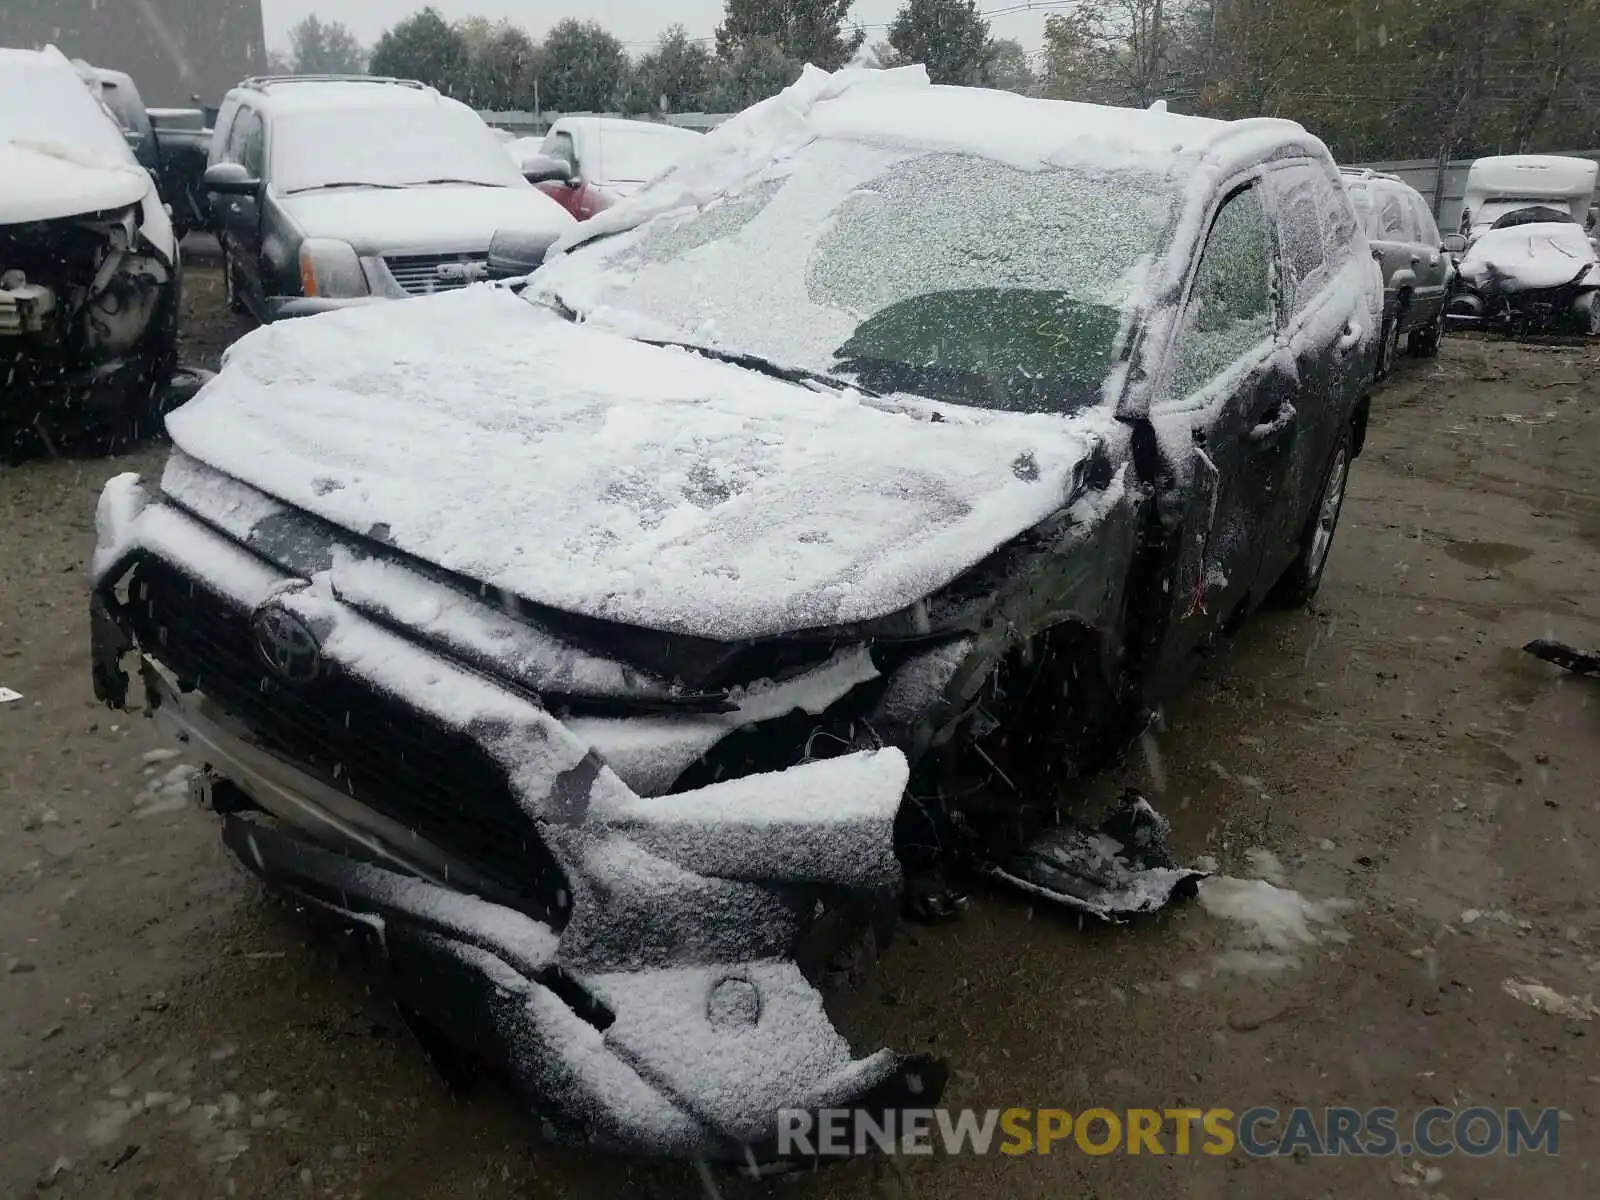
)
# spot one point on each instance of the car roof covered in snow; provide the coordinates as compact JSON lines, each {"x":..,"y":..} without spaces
{"x":318,"y":95}
{"x":902,"y":108}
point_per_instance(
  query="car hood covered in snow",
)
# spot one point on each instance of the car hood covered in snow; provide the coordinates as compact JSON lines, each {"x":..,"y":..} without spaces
{"x":44,"y":183}
{"x":1528,"y":257}
{"x":436,"y":219}
{"x":605,"y":477}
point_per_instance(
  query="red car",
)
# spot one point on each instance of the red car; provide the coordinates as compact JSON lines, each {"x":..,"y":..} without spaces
{"x":587,"y":164}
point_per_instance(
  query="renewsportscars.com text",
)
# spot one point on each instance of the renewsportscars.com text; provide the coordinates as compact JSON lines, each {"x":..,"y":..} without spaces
{"x":1257,"y":1132}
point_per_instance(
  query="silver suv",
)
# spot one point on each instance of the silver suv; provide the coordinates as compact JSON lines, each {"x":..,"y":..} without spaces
{"x":336,"y":191}
{"x":1417,"y":267}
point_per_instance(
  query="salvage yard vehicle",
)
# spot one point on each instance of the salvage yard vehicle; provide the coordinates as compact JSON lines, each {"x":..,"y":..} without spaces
{"x":596,"y":646}
{"x":608,"y":159}
{"x":1417,"y":268}
{"x":1534,"y":272}
{"x":89,"y":269}
{"x":333,"y":191}
{"x":1501,"y":185}
{"x":169,"y":143}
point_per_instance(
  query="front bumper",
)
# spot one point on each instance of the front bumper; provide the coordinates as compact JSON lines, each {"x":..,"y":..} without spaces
{"x":283,"y":308}
{"x":656,"y":1008}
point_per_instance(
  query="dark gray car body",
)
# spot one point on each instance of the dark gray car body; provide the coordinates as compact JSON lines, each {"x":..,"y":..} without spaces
{"x":1417,"y":271}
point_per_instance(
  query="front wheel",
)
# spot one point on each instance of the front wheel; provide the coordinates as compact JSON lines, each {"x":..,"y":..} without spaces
{"x":1389,"y":349}
{"x":1586,"y":316}
{"x":1299,"y":584}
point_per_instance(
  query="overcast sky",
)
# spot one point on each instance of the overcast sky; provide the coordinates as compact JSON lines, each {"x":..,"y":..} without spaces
{"x":636,"y":22}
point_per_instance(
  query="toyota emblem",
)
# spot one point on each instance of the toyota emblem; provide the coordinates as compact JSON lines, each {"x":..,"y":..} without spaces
{"x":286,"y":644}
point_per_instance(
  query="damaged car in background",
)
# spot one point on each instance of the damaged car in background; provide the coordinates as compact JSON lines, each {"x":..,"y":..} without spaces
{"x":603,"y":650}
{"x":1534,"y":271}
{"x":89,"y":271}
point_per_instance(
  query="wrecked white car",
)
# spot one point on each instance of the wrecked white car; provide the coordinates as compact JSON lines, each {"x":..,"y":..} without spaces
{"x":1535,"y":271}
{"x":89,"y":272}
{"x":598,"y":648}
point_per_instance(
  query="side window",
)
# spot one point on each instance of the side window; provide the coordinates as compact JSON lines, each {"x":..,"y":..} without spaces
{"x":253,"y":144}
{"x":1230,"y":305}
{"x":1361,"y":198}
{"x":560,"y":145}
{"x":1299,"y":211}
{"x":233,"y":148}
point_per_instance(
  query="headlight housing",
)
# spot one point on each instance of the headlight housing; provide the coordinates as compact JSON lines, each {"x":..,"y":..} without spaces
{"x":330,"y":268}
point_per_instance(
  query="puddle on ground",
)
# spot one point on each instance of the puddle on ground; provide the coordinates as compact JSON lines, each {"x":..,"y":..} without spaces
{"x":1491,"y":556}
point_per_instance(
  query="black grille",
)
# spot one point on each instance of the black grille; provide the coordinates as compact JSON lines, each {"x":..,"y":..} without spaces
{"x":371,"y":745}
{"x":420,"y":274}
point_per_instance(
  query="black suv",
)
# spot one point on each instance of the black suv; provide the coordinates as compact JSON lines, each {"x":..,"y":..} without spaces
{"x":597,"y":646}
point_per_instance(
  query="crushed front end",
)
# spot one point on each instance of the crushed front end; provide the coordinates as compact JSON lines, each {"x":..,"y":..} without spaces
{"x":88,"y":324}
{"x":562,"y":861}
{"x":1494,"y":300}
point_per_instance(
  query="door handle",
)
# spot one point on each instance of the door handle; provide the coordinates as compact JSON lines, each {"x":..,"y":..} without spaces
{"x":1276,"y":422}
{"x":1350,"y":338}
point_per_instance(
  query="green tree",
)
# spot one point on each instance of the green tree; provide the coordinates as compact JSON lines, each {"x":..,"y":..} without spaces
{"x":1006,"y":66}
{"x":422,"y":47}
{"x":500,"y":63}
{"x":808,"y":31}
{"x":325,"y":48}
{"x":582,"y":68}
{"x":674,"y":77}
{"x":946,"y":36}
{"x":758,"y":68}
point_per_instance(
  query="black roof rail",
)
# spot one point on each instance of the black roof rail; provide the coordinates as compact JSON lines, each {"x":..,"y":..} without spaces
{"x":262,"y":82}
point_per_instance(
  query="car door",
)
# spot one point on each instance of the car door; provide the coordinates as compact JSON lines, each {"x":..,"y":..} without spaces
{"x":239,"y":216}
{"x":1326,"y":320}
{"x":1222,"y":409}
{"x":1432,"y":266}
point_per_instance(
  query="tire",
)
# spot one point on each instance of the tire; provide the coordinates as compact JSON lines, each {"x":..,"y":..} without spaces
{"x":230,"y":284}
{"x":1298,"y":585}
{"x":1425,"y":342}
{"x":1389,"y":350}
{"x":1586,"y":317}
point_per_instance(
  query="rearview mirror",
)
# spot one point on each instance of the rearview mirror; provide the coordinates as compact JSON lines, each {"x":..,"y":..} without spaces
{"x":1454,"y":244}
{"x":543,"y":168}
{"x":230,"y":179}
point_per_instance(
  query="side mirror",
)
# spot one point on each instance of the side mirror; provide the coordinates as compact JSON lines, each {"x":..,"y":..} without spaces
{"x":230,"y":179}
{"x":544,"y":168}
{"x":513,"y":253}
{"x":1454,"y":244}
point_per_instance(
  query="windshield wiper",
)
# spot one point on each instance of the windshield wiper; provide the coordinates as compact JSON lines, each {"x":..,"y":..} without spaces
{"x":347,"y":183}
{"x":434,"y":182}
{"x":765,"y":366}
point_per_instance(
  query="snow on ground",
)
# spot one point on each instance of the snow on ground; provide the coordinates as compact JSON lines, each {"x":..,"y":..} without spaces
{"x":1271,"y":926}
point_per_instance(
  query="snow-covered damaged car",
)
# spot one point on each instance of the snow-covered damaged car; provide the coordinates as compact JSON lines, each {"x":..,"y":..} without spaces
{"x":89,"y":272}
{"x":598,"y":646}
{"x":1535,"y":271}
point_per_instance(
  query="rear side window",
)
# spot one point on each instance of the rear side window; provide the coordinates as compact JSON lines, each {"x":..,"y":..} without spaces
{"x":1230,"y":305}
{"x":1299,"y":203}
{"x":1394,"y":221}
{"x":1427,"y":229}
{"x":1339,"y":223}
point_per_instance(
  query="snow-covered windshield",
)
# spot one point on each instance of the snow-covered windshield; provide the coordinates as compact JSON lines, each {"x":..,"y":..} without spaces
{"x":944,"y":274}
{"x":43,"y":101}
{"x":387,"y":146}
{"x":633,"y":153}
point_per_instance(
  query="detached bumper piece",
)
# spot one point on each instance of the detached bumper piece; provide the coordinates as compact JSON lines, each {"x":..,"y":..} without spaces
{"x":1123,"y":869}
{"x":626,"y":959}
{"x":1579,"y":662}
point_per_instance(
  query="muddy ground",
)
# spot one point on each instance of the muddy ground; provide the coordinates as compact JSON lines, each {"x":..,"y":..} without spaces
{"x":165,"y":1031}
